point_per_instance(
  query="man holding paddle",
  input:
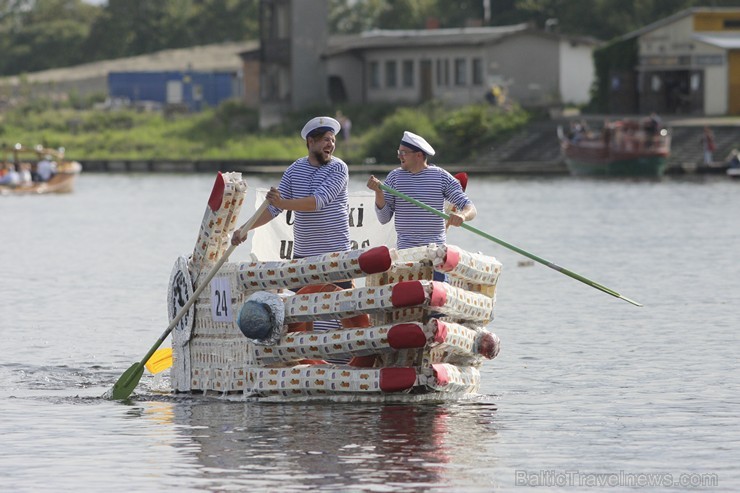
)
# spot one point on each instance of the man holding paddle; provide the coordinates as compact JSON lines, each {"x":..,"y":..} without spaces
{"x":315,"y":187}
{"x":426,"y":183}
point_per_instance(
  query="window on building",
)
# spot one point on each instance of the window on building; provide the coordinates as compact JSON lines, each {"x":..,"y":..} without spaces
{"x":390,"y":73}
{"x":443,"y":72}
{"x":695,"y":81}
{"x":732,"y":24}
{"x":477,"y":71}
{"x":461,"y":69}
{"x":374,"y":75}
{"x":408,"y":73}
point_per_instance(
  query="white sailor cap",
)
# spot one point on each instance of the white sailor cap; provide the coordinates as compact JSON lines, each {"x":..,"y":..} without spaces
{"x":417,"y":143}
{"x":321,"y":122}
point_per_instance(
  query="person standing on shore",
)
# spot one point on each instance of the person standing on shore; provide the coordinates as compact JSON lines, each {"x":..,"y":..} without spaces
{"x":346,"y":125}
{"x":315,"y":187}
{"x":708,"y":145}
{"x":426,"y":183}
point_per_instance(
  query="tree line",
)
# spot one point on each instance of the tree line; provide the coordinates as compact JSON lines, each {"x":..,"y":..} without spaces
{"x":42,"y":34}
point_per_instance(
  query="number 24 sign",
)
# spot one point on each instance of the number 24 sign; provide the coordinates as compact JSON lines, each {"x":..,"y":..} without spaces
{"x":221,"y":299}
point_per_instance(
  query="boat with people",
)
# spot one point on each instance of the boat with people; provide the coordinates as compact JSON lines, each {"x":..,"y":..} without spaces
{"x":407,"y":325}
{"x":36,"y":170}
{"x":278,"y":330}
{"x":622,"y":148}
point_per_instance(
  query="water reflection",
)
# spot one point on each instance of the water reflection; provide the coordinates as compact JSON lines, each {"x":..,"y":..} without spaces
{"x":328,"y":445}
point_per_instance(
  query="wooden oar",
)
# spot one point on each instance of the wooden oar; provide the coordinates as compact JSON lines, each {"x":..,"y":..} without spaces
{"x":130,"y":379}
{"x":556,"y":267}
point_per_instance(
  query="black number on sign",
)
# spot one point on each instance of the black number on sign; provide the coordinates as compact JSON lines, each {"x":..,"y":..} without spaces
{"x":222,"y":308}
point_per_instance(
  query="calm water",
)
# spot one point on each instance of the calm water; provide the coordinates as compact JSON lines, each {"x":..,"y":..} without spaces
{"x":587,"y":389}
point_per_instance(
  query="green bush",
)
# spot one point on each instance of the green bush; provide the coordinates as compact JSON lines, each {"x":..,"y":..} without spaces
{"x":97,"y":121}
{"x":231,"y":131}
{"x":381,"y":142}
{"x":235,"y":116}
{"x":470,"y":128}
{"x":464,"y":128}
{"x":455,"y":133}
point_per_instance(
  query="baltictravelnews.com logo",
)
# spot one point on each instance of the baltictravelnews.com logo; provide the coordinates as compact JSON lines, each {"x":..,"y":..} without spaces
{"x":551,"y":477}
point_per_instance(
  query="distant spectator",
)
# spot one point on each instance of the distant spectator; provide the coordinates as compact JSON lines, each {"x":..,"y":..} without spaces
{"x":11,"y":177}
{"x":708,"y":145}
{"x":653,"y":124}
{"x":24,"y":171}
{"x":579,"y":130}
{"x":656,"y":121}
{"x":346,"y":124}
{"x":46,"y":168}
{"x":606,"y":134}
{"x":733,"y":159}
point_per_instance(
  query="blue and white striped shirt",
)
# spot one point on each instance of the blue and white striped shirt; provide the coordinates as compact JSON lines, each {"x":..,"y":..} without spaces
{"x":415,"y":226}
{"x":327,"y":228}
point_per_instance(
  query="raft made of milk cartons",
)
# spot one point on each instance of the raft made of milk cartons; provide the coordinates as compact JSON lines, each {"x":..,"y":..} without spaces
{"x":400,"y":337}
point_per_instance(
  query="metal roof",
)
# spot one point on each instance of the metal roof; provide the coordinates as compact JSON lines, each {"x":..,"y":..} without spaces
{"x":207,"y":58}
{"x":726,"y":41}
{"x":379,"y":39}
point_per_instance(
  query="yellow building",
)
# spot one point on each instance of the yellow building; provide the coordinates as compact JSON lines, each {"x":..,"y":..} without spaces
{"x":688,"y":63}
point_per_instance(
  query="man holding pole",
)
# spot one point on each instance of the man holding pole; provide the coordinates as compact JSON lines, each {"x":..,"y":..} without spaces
{"x":426,"y":183}
{"x":315,"y":187}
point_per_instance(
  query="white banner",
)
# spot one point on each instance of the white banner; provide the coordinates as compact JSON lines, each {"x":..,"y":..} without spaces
{"x":274,"y":240}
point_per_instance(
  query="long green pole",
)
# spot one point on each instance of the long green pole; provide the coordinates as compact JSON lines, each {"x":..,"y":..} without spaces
{"x":543,"y":261}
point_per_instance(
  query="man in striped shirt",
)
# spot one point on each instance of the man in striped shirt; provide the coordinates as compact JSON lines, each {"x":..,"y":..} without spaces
{"x":426,"y":183}
{"x":315,"y":187}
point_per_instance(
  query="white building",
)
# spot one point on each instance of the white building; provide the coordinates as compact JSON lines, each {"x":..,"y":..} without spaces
{"x":299,"y":68}
{"x":459,"y":66}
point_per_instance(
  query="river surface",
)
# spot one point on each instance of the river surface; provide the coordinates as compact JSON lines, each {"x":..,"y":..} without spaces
{"x":589,"y":393}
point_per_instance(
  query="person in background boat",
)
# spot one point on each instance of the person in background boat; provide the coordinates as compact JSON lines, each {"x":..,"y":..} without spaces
{"x":652,"y":125}
{"x":24,"y":171}
{"x":45,"y":169}
{"x":708,"y":145}
{"x":11,"y":177}
{"x":733,"y":159}
{"x":606,"y":134}
{"x":426,"y":183}
{"x":315,"y":188}
{"x":579,"y":130}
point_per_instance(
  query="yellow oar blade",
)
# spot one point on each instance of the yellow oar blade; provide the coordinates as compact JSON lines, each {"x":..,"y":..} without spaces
{"x":160,"y":360}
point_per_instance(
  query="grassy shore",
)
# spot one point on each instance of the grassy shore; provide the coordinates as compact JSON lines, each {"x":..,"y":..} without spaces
{"x":231,"y":131}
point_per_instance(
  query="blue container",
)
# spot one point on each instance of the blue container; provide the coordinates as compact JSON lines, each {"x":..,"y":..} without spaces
{"x":192,"y":89}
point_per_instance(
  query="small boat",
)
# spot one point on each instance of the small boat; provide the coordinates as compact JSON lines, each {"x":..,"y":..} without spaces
{"x":62,"y":181}
{"x":623,"y":148}
{"x":398,"y":335}
{"x":733,"y":172}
